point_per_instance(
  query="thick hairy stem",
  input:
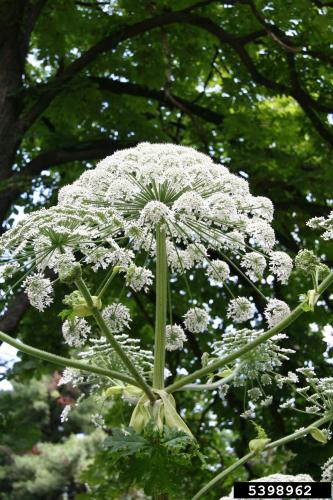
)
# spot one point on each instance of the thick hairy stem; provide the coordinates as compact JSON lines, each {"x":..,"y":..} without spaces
{"x":66,"y":362}
{"x":279,"y":442}
{"x":161,"y":308}
{"x":295,"y":313}
{"x":115,"y":345}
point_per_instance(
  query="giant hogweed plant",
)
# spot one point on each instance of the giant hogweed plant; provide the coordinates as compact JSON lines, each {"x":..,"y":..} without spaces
{"x":147,"y":214}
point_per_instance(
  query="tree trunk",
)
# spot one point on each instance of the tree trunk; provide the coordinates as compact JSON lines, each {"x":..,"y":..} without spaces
{"x":13,"y":47}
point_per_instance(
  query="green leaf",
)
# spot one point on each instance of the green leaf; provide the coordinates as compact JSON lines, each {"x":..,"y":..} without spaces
{"x":66,"y":314}
{"x":318,"y":435}
{"x":257,"y":445}
{"x":125,"y":442}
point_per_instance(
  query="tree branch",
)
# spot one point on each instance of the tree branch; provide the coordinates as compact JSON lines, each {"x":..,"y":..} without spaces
{"x":305,"y":101}
{"x":137,"y":90}
{"x":321,"y":4}
{"x":49,"y":91}
{"x":80,"y":151}
{"x":10,"y":320}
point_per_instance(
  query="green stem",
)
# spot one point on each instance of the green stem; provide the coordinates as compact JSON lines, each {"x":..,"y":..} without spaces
{"x":269,"y":446}
{"x":115,"y":345}
{"x":108,"y":281}
{"x":66,"y":362}
{"x":300,"y":433}
{"x":222,"y":475}
{"x":161,"y":308}
{"x":213,"y":385}
{"x":295,"y":313}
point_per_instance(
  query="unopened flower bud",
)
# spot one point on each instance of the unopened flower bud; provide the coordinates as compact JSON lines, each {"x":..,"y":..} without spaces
{"x":69,"y":275}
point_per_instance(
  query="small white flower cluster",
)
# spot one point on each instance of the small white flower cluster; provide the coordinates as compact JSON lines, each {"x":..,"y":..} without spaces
{"x":257,"y":367}
{"x":8,"y":270}
{"x":254,"y":264}
{"x":240,"y":310}
{"x":317,"y":392}
{"x":101,"y":353}
{"x":76,"y":332}
{"x":71,"y":376}
{"x":262,"y":234}
{"x":139,"y":278}
{"x":155,"y":213}
{"x":218,"y":271}
{"x":175,"y":337}
{"x":281,"y":265}
{"x":323,"y":224}
{"x":39,"y":291}
{"x":182,"y":260}
{"x":327,"y":471}
{"x":117,"y":317}
{"x":276,"y":310}
{"x":196,"y":320}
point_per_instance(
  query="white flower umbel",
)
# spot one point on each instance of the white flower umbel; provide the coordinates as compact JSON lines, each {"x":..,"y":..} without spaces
{"x":327,"y":471}
{"x":154,"y":208}
{"x":264,"y":208}
{"x":102,"y":354}
{"x":240,"y":309}
{"x":8,"y":270}
{"x":191,"y":203}
{"x":317,"y":392}
{"x":76,"y":332}
{"x":262,"y":233}
{"x":71,"y":376}
{"x":112,"y":213}
{"x":258,"y":367}
{"x":281,"y":265}
{"x":196,"y":320}
{"x":179,"y":188}
{"x":276,"y":310}
{"x":323,"y":224}
{"x":175,"y":337}
{"x":254,"y":264}
{"x":138,"y":277}
{"x":218,"y":271}
{"x":154,"y":213}
{"x":117,"y":317}
{"x":39,"y":291}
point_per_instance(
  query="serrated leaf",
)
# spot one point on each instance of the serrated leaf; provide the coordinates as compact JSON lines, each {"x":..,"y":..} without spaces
{"x":125,"y":442}
{"x":66,"y":314}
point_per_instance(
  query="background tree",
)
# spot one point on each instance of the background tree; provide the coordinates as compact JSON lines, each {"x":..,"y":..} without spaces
{"x":245,"y":81}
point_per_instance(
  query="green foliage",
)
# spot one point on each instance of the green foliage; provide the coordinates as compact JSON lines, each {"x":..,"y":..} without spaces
{"x":157,"y":462}
{"x":258,"y":444}
{"x":50,"y":469}
{"x":36,"y":459}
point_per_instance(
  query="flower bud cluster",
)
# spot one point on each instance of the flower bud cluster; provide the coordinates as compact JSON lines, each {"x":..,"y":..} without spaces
{"x":258,"y":368}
